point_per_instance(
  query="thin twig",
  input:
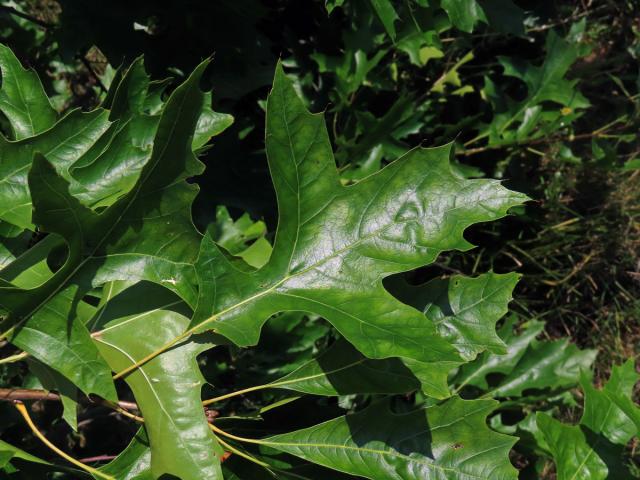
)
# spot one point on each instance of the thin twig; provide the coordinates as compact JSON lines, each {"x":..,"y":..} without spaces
{"x":576,"y":269}
{"x":537,"y":141}
{"x":121,"y":403}
{"x":122,"y":407}
{"x":219,"y":431}
{"x":566,"y":20}
{"x":99,"y":458}
{"x":446,"y":267}
{"x":25,"y":394}
{"x":13,"y":394}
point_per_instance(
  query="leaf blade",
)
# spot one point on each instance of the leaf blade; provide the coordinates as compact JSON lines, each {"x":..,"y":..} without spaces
{"x":168,"y":388}
{"x":406,"y":446}
{"x":395,"y":220}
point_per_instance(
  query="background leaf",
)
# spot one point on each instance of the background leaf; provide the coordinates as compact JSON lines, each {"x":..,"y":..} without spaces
{"x":22,"y":98}
{"x":591,"y":449}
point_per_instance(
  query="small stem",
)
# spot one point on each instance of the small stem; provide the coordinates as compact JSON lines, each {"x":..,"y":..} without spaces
{"x":242,"y":454}
{"x":238,"y":392}
{"x":14,"y":358}
{"x":279,"y":384}
{"x":476,"y":139}
{"x":456,"y":391}
{"x":6,"y":334}
{"x":99,"y":458}
{"x":128,"y":405}
{"x":488,"y":394}
{"x":235,"y":437}
{"x":25,"y":414}
{"x":123,"y":411}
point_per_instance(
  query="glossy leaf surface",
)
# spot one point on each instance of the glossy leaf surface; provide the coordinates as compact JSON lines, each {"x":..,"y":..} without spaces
{"x":503,"y":15}
{"x":342,"y":370}
{"x":167,"y":389}
{"x":335,"y":244}
{"x":134,"y":462}
{"x":145,"y":231}
{"x":446,"y":441}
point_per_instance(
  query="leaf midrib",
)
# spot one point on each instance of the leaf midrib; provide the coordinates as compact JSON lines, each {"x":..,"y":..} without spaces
{"x":393,"y":454}
{"x":287,"y":277}
{"x":295,"y":164}
{"x":155,"y":394}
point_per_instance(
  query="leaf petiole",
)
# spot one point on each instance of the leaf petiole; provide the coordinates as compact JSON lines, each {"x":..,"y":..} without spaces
{"x":5,"y":335}
{"x":123,"y":411}
{"x":14,"y":358}
{"x":238,"y":392}
{"x":278,"y":384}
{"x":242,"y":454}
{"x":235,"y":437}
{"x":27,"y":418}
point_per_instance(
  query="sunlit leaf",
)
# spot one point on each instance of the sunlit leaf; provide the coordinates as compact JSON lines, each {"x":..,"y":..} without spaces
{"x":335,"y":244}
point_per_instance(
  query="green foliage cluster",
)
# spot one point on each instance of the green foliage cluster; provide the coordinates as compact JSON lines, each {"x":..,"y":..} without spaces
{"x":242,"y":333}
